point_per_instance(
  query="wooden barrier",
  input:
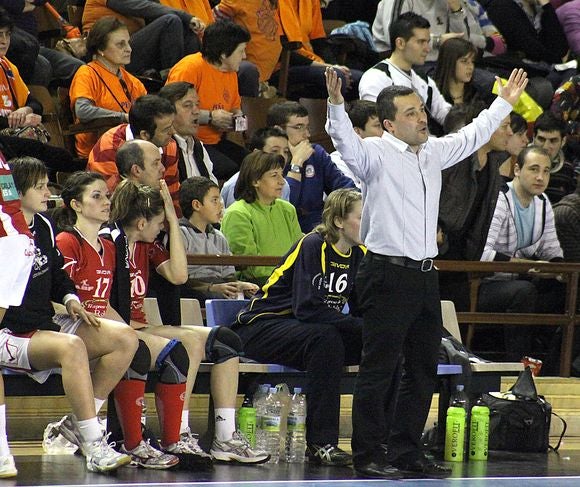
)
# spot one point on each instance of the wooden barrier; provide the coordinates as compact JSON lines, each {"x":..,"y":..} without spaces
{"x":569,"y":272}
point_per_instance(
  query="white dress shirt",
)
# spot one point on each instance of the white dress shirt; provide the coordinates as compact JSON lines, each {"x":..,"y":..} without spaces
{"x":400,"y":187}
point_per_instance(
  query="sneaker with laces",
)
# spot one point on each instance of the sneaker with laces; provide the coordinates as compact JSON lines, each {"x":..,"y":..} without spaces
{"x":191,"y":455}
{"x":7,"y":467}
{"x":101,"y":457}
{"x":237,"y":449}
{"x":144,"y":455}
{"x":329,"y":455}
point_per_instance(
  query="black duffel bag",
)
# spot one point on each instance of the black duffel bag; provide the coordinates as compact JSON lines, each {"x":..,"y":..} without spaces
{"x":520,"y":419}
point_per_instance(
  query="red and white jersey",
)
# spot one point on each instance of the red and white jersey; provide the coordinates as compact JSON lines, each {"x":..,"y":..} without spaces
{"x":142,"y":255}
{"x":11,"y":218}
{"x":92,"y":271}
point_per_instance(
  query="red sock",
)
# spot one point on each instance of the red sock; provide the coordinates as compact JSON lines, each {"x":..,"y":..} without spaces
{"x":129,"y":397}
{"x":169,"y":402}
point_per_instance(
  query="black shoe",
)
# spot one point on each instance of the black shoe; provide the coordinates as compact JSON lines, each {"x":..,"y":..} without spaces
{"x":329,"y":455}
{"x":423,"y":467}
{"x":374,"y":470}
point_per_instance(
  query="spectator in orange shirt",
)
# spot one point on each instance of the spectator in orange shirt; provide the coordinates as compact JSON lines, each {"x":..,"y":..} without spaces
{"x":302,"y":22}
{"x":17,"y":107}
{"x":213,"y":74}
{"x":248,"y":74}
{"x":262,"y":20}
{"x":103,"y":88}
{"x":150,"y":118}
{"x":160,"y":34}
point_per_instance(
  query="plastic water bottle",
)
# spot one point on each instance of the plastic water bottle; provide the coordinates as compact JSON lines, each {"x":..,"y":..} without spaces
{"x":53,"y":443}
{"x":283,"y":392}
{"x":258,"y":401}
{"x":271,"y":425}
{"x":296,"y":428}
{"x":455,"y":426}
{"x":247,"y":421}
{"x":479,"y":432}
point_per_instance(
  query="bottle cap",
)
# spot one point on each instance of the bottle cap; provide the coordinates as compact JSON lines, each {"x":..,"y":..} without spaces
{"x":460,"y":387}
{"x":298,"y":390}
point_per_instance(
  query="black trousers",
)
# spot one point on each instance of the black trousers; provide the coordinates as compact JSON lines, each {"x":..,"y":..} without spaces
{"x":402,"y":320}
{"x":320,"y":350}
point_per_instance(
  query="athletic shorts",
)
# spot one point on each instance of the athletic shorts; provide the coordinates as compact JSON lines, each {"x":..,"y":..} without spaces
{"x":16,"y":258}
{"x":14,"y":348}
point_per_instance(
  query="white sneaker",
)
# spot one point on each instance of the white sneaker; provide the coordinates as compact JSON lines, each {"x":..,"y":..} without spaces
{"x":101,"y":457}
{"x":144,"y":455}
{"x":191,"y":455}
{"x":7,"y":467}
{"x":237,"y":449}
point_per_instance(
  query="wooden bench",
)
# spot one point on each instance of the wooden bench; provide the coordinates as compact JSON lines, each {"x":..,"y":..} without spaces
{"x":567,"y":320}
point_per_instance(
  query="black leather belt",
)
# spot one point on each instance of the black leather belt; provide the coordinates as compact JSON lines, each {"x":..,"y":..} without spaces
{"x":424,"y":265}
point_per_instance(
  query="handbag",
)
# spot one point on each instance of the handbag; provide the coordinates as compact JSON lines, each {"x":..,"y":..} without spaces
{"x":76,"y":47}
{"x":36,"y":132}
{"x":520,"y":419}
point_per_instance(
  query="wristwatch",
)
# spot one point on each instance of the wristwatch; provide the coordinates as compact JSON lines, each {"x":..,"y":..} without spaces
{"x":296,"y":168}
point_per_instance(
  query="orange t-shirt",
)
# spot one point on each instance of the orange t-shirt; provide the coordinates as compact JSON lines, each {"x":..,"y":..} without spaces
{"x":95,"y":9}
{"x":302,"y":21}
{"x":198,"y":8}
{"x":104,"y":89}
{"x":11,"y":83}
{"x":263,"y":23}
{"x":215,"y":89}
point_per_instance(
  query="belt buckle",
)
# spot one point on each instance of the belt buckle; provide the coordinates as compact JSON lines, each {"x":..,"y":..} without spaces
{"x":426,"y":265}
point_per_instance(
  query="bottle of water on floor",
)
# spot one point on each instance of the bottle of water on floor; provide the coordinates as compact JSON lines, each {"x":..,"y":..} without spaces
{"x":259,"y":404}
{"x":53,"y":443}
{"x":271,"y":424}
{"x":296,"y":428}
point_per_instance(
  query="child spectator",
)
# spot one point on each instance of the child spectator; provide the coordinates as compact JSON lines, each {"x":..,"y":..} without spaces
{"x":201,"y":205}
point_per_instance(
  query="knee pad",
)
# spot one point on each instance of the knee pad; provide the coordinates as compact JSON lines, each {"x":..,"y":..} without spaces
{"x":141,"y":363}
{"x":173,"y":363}
{"x":222,"y":344}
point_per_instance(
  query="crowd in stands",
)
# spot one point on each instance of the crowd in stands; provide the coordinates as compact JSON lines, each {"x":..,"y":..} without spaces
{"x":179,"y":171}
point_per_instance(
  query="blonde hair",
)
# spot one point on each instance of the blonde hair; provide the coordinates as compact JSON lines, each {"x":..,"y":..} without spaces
{"x":338,"y":204}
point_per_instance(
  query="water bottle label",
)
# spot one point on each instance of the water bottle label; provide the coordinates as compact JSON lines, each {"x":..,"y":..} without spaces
{"x":296,"y":423}
{"x":271,"y":423}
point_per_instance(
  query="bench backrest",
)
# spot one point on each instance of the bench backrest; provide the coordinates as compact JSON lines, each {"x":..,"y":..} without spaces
{"x":222,"y":312}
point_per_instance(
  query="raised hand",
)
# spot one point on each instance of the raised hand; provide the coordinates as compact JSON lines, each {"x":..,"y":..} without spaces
{"x":514,"y":87}
{"x":333,"y":85}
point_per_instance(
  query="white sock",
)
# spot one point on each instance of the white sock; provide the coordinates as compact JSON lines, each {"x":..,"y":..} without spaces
{"x":4,"y":448}
{"x":225,"y":423}
{"x":184,"y":428}
{"x":90,"y":430}
{"x":99,"y":404}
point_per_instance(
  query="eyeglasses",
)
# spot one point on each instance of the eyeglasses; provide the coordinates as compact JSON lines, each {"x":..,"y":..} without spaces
{"x":300,"y":127}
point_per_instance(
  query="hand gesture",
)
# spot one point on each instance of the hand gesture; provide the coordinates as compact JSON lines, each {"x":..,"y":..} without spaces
{"x":196,"y":25}
{"x":228,"y":290}
{"x":514,"y":87}
{"x":222,"y":119}
{"x":301,"y":152}
{"x":17,"y":118}
{"x":76,"y":311}
{"x":333,"y":85}
{"x":170,"y":214}
{"x":248,"y":288}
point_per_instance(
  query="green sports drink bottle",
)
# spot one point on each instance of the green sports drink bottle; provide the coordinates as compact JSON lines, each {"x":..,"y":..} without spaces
{"x":247,"y":421}
{"x":479,"y":432}
{"x":455,"y":434}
